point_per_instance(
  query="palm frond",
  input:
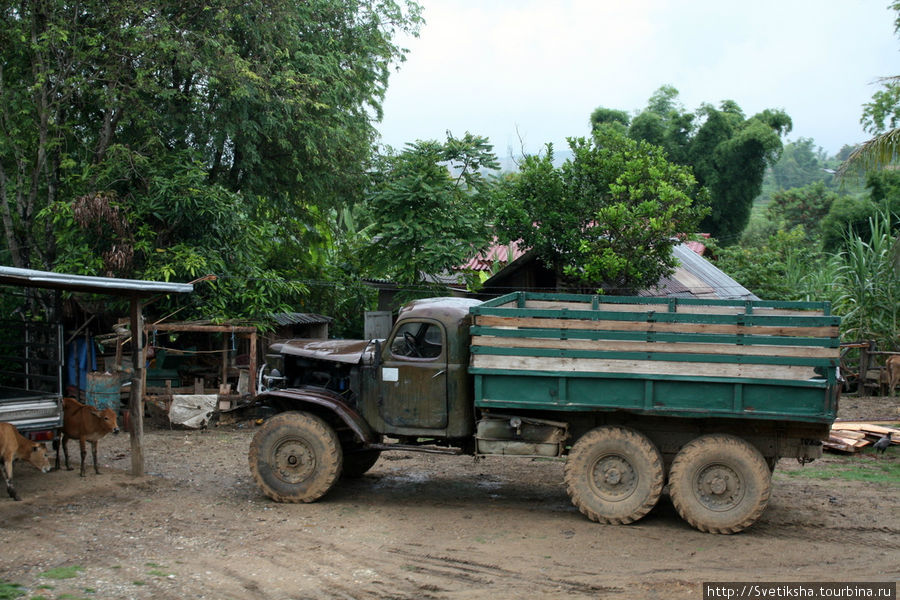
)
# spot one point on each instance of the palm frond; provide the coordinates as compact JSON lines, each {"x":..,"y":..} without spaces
{"x":876,"y":153}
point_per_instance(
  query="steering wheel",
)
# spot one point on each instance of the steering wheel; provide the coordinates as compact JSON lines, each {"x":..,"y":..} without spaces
{"x":410,"y":341}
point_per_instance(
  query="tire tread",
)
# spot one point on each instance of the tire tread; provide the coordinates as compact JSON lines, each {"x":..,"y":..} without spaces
{"x":697,"y":447}
{"x":575,"y":468}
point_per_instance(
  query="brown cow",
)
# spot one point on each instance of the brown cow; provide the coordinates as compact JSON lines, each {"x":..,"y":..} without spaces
{"x":892,"y":368}
{"x":14,"y":445}
{"x":85,"y":423}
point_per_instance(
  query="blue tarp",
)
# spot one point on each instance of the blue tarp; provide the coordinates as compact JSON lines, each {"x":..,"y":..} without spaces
{"x":81,"y":359}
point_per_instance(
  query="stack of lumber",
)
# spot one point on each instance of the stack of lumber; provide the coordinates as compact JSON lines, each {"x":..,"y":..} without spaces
{"x":852,"y":436}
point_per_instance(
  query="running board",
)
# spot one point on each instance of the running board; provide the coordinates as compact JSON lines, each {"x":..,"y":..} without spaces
{"x":414,"y":448}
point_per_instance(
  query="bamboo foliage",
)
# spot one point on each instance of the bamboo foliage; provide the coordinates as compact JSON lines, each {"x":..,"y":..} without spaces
{"x":865,"y":285}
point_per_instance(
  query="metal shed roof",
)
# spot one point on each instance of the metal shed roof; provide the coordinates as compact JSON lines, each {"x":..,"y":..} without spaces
{"x":85,"y":283}
{"x":296,"y":318}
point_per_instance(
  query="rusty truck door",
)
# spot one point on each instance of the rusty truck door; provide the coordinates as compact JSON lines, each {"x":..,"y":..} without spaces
{"x":413,"y":378}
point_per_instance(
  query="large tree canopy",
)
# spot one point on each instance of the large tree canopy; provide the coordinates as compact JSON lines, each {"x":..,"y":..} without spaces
{"x":727,"y":151}
{"x":176,"y":124}
{"x":429,"y":208}
{"x":608,"y":217}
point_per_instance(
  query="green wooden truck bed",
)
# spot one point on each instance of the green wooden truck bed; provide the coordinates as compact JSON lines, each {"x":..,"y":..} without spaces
{"x":681,"y":357}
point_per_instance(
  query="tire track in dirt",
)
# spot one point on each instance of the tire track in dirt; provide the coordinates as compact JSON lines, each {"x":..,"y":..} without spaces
{"x":466,"y":572}
{"x":886,"y":538}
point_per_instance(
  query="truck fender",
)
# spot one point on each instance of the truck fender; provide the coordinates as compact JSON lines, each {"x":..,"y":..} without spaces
{"x":298,"y":398}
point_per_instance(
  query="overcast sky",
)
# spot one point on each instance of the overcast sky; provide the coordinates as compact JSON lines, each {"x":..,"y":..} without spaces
{"x":539,"y":67}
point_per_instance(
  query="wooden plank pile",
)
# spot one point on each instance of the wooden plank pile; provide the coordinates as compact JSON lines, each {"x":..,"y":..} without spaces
{"x":852,"y":436}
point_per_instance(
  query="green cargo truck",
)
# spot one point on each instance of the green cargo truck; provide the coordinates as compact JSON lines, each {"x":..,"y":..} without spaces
{"x":634,"y":393}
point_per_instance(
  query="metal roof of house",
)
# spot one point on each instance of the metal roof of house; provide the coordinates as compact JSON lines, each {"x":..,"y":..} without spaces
{"x":85,"y":283}
{"x":722,"y":286}
{"x":695,"y":277}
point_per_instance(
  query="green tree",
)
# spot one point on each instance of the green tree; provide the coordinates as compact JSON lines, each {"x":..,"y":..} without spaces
{"x":608,"y":117}
{"x":429,"y":208}
{"x":608,"y":217}
{"x":734,"y":171}
{"x":801,"y":164}
{"x":805,"y":206}
{"x":772,"y":270}
{"x":260,"y":110}
{"x":728,"y":152}
{"x":853,"y":215}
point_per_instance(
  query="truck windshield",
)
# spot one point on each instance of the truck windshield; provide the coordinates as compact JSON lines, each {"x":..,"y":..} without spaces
{"x":417,"y":340}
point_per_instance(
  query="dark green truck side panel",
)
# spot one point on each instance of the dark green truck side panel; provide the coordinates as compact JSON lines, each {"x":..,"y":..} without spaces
{"x":675,"y":357}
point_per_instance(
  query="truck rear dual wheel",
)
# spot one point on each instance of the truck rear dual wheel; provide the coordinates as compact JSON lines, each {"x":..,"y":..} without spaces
{"x":614,"y":475}
{"x":720,"y":483}
{"x":295,"y":457}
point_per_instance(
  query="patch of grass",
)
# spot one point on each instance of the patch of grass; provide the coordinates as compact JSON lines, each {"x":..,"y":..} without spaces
{"x":8,"y":590}
{"x":139,"y":582}
{"x":63,"y":572}
{"x":70,"y":597}
{"x":45,"y":586}
{"x":853,"y":468}
{"x":157,"y":569}
{"x":38,"y":598}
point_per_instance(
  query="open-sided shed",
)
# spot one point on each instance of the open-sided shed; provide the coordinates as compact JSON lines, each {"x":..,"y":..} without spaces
{"x":137,"y":291}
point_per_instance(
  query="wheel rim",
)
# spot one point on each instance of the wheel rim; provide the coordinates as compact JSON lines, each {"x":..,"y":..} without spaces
{"x":718,"y":487}
{"x":613,"y":477}
{"x":294,"y":461}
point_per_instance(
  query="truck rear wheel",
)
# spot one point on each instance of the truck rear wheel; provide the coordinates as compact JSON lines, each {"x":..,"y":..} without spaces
{"x":614,"y":475}
{"x":295,"y":457}
{"x":720,"y":483}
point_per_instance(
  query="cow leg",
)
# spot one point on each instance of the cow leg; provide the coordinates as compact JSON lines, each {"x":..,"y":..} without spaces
{"x":94,"y":456}
{"x":65,"y":446}
{"x":6,"y":472}
{"x":83,"y":454}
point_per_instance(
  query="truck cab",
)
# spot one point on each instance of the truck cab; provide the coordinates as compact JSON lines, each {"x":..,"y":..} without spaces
{"x":419,"y":385}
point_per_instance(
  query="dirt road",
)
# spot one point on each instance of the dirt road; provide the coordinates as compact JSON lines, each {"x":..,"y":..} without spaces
{"x":416,"y":527}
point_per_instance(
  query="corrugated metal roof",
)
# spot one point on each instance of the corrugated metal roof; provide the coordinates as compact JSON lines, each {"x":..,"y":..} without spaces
{"x":296,"y":318}
{"x":722,"y":285}
{"x":667,"y":287}
{"x":85,"y":283}
{"x":503,"y":253}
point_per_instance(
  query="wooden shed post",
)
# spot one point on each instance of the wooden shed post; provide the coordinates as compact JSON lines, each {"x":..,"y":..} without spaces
{"x":137,"y":389}
{"x":252,"y":365}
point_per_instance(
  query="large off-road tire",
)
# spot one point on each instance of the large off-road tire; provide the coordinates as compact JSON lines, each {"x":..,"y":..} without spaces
{"x":295,"y":457}
{"x":720,"y":483}
{"x":357,"y":463}
{"x":614,"y":475}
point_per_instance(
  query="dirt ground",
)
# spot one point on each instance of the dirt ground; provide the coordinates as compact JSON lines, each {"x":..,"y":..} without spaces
{"x":415,"y":527}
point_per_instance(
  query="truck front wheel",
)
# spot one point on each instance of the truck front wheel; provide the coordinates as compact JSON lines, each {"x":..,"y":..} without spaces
{"x":295,"y":457}
{"x":720,"y":483}
{"x":614,"y":475}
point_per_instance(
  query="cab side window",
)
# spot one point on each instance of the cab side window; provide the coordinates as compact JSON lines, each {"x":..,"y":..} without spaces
{"x":417,"y":340}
